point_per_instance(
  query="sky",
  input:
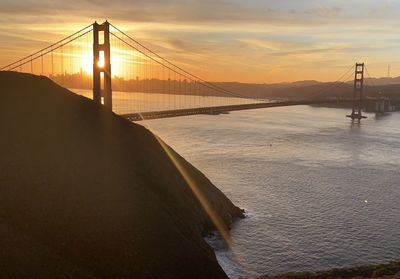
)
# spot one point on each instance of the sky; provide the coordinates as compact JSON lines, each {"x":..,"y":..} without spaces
{"x":257,"y":41}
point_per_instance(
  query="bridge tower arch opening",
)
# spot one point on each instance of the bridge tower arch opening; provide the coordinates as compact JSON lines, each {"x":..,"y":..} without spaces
{"x":102,"y":91}
{"x":358,"y":92}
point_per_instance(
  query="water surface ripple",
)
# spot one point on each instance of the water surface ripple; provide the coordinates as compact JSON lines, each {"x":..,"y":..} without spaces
{"x":319,"y":191}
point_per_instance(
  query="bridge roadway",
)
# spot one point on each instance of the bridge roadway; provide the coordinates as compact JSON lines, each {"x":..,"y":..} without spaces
{"x":223,"y":109}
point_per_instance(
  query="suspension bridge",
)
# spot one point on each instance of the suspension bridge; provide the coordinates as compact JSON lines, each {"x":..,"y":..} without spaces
{"x":104,"y":63}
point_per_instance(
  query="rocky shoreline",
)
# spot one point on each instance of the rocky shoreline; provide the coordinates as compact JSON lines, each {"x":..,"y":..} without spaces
{"x":382,"y":271}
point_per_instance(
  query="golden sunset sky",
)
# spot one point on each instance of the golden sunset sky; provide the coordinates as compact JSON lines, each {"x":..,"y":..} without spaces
{"x":247,"y":41}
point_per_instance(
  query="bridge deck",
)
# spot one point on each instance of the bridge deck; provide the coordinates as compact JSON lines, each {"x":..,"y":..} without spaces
{"x":221,"y":109}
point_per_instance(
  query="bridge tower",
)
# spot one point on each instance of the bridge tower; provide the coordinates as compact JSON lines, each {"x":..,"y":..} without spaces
{"x":102,"y":92}
{"x":358,"y":92}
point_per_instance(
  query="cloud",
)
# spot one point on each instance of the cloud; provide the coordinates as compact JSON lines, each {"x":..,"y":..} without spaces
{"x":252,"y":35}
{"x":189,"y":11}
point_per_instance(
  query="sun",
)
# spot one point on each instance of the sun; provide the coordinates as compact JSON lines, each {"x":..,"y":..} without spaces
{"x":101,"y":62}
{"x":118,"y":61}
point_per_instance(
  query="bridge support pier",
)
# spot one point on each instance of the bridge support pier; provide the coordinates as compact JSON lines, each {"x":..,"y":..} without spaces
{"x":102,"y":92}
{"x":358,"y":92}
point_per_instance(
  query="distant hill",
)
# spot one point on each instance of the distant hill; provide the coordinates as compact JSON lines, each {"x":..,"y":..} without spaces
{"x":384,"y":80}
{"x":87,"y":194}
{"x":314,"y":89}
{"x":285,"y":90}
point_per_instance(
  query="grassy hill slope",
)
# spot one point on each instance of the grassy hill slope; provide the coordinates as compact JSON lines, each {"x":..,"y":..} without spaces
{"x":85,"y":193}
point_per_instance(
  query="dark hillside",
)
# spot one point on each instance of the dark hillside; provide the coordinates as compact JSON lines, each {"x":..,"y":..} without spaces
{"x":85,"y":193}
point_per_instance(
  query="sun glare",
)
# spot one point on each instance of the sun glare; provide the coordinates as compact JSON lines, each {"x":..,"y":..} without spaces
{"x":87,"y":62}
{"x":101,"y":59}
{"x":119,"y":62}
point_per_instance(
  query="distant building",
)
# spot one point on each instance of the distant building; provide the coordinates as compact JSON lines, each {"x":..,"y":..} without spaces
{"x":383,"y":104}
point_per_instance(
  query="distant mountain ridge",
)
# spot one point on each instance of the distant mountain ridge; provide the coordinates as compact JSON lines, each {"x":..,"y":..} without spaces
{"x":312,"y":89}
{"x":375,"y":80}
{"x":385,"y":80}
